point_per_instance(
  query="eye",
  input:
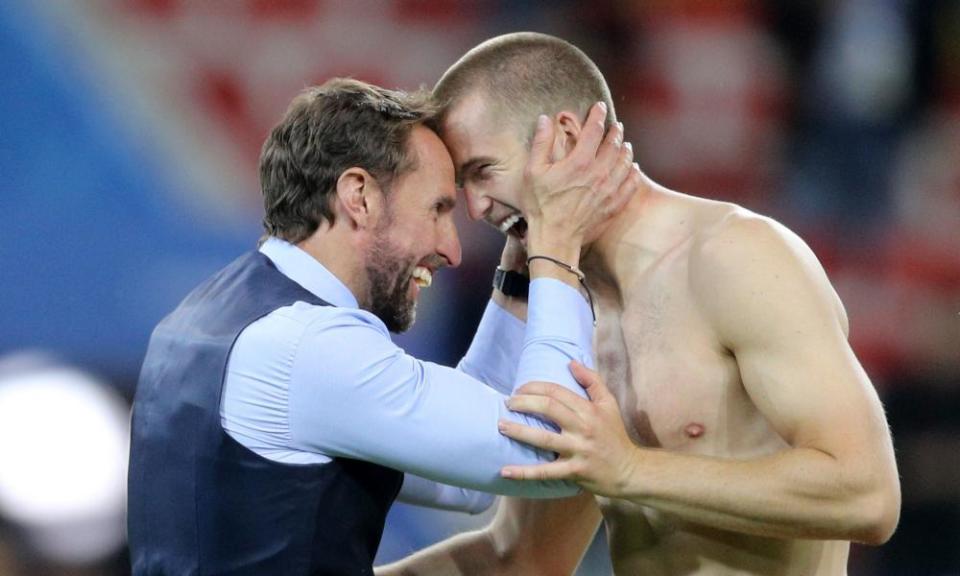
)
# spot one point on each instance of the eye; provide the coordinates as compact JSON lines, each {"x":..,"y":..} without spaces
{"x":483,"y":172}
{"x":480,"y":172}
{"x":442,"y":206}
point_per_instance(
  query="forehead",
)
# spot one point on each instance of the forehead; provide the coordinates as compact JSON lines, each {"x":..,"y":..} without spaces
{"x":432,"y":156}
{"x":434,"y":172}
{"x":473,"y":129}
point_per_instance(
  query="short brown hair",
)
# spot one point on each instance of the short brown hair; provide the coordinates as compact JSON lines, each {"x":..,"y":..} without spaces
{"x":525,"y":74}
{"x":328,"y":129}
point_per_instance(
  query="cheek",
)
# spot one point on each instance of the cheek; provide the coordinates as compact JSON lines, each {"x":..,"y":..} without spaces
{"x":417,"y":238}
{"x":511,"y":186}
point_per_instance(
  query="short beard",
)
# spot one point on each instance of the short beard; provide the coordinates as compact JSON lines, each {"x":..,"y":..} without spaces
{"x":389,"y":279}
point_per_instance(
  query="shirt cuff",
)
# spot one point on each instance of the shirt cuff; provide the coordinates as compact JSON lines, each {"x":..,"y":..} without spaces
{"x":493,"y":355}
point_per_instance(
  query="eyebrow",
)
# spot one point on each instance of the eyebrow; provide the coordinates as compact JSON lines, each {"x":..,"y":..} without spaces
{"x":447,"y":203}
{"x":471,"y":164}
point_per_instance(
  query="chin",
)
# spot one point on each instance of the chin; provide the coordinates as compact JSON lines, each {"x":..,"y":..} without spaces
{"x":402,"y":321}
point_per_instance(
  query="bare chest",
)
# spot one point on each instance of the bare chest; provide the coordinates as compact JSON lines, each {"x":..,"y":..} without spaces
{"x":677,"y":387}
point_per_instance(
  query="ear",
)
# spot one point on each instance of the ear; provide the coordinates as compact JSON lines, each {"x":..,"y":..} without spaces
{"x":359,"y":199}
{"x":566,"y":132}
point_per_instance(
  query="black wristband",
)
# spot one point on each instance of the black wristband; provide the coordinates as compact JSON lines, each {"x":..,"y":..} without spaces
{"x":511,"y":283}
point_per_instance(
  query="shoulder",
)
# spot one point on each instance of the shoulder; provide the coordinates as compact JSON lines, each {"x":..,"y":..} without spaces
{"x":742,"y":263}
{"x":304,"y":320}
{"x":311,"y":339}
{"x":738,"y":239}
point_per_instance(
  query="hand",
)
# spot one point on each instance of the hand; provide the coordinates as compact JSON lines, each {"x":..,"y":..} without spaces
{"x":593,"y":447}
{"x":563,"y":200}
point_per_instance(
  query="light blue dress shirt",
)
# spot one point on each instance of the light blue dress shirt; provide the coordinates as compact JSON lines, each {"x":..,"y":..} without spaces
{"x":308,"y":383}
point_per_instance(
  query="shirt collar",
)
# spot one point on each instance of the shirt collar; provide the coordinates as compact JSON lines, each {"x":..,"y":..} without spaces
{"x":308,"y":272}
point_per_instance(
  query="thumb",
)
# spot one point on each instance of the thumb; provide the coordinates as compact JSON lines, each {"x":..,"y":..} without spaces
{"x":542,"y":144}
{"x":590,"y":381}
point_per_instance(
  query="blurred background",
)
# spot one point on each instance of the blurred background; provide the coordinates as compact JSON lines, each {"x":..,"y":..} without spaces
{"x":129,"y":135}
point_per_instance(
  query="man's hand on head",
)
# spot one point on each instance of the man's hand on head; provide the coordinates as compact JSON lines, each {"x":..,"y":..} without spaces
{"x":563,"y":200}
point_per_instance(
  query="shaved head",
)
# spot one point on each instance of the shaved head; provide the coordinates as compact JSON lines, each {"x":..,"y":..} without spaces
{"x":522,"y":75}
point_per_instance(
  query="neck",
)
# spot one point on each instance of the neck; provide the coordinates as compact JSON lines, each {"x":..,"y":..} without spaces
{"x":601,"y":258}
{"x":340,"y":255}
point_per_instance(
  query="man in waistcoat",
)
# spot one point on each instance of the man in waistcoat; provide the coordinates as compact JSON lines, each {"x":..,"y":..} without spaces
{"x":275,"y":422}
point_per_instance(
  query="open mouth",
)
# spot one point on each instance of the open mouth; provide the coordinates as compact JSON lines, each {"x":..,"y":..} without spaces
{"x":422,"y":276}
{"x":515,"y":225}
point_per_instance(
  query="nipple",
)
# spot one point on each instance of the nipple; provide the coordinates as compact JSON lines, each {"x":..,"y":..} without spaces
{"x":694,"y":430}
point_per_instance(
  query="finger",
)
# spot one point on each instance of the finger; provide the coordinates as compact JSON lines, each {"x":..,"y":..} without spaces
{"x":591,"y":134}
{"x":590,"y":381}
{"x":545,"y":406}
{"x":630,"y":185}
{"x":619,"y":171}
{"x":536,"y":437}
{"x":542,"y":144}
{"x":567,"y":397}
{"x":610,"y":150}
{"x":558,"y":470}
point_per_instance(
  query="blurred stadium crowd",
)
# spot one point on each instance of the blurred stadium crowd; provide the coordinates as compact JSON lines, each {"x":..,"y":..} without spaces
{"x":130,"y":130}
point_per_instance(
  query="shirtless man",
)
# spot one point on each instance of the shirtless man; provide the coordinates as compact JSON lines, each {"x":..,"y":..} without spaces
{"x":739,"y":435}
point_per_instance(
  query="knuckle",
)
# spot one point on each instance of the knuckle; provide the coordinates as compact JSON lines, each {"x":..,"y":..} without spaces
{"x":546,"y":440}
{"x":588,"y":431}
{"x":551,"y":405}
{"x":603,"y":184}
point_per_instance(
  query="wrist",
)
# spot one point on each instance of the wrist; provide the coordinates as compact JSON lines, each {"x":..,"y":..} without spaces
{"x":546,"y":269}
{"x":629,"y":480}
{"x":555,"y":242}
{"x":511,"y":283}
{"x":564,"y":250}
{"x":647,"y":474}
{"x":570,"y":271}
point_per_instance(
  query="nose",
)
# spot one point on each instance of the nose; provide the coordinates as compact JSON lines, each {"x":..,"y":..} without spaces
{"x":478,"y":204}
{"x":449,"y":246}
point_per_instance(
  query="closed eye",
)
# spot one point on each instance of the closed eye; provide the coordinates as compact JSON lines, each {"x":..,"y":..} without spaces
{"x":444,"y":205}
{"x":476,"y":169}
{"x":481,"y":173}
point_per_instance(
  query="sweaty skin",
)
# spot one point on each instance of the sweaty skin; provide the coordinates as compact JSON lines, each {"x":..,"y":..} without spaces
{"x":745,"y":437}
{"x":679,"y":389}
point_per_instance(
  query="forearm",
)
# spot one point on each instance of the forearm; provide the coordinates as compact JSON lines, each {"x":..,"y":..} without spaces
{"x":467,"y":554}
{"x":525,"y":538}
{"x":517,"y":307}
{"x":796,"y":493}
{"x":495,"y":350}
{"x":420,"y":491}
{"x":543,"y":343}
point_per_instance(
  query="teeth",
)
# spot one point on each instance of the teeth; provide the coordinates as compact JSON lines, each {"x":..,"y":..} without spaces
{"x":509,"y":222}
{"x":422,"y":277}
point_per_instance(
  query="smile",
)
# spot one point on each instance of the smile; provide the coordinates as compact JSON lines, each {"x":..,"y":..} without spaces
{"x":514,"y":225}
{"x":422,"y":276}
{"x":508,"y":223}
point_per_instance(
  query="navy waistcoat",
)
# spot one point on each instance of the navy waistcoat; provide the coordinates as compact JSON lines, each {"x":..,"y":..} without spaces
{"x":200,"y":502}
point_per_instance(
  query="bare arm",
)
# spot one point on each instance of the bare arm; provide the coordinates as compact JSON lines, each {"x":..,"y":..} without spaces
{"x":773,"y":308}
{"x":526,"y":537}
